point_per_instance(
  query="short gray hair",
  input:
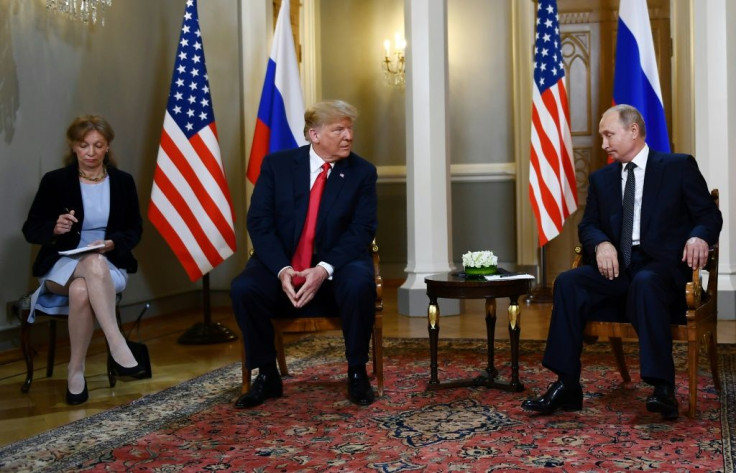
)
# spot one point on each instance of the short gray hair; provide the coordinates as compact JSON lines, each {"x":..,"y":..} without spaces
{"x":628,"y":115}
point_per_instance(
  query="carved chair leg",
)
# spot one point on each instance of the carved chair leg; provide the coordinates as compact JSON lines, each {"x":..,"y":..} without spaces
{"x":693,"y":349}
{"x":52,"y":349}
{"x":373,"y":342}
{"x":111,"y":378}
{"x":618,"y":353}
{"x":280,"y":354}
{"x":25,"y":344}
{"x":378,"y":357}
{"x":713,"y":357}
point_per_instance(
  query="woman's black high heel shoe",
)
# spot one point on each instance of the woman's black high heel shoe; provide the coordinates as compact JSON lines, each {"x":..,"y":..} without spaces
{"x":74,"y":399}
{"x":136,"y":371}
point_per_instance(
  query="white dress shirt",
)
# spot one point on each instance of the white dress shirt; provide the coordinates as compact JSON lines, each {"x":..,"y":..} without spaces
{"x":641,"y":164}
{"x":315,"y":167}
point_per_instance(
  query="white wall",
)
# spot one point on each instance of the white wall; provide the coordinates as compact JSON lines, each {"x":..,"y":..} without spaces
{"x":53,"y":69}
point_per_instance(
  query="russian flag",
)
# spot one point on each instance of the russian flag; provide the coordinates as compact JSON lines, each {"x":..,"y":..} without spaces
{"x":636,"y":80}
{"x":280,"y":122}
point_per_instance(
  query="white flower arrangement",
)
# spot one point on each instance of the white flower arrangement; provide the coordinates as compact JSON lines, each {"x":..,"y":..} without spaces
{"x":479,"y":259}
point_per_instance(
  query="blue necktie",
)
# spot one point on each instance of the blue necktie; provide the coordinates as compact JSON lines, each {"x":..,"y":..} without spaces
{"x":627,"y":226}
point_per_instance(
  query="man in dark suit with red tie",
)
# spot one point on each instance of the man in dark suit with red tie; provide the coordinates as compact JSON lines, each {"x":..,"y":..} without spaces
{"x":312,"y":218}
{"x":649,"y":219}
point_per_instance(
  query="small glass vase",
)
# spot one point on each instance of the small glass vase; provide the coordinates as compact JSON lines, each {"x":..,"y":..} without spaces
{"x":479,"y":273}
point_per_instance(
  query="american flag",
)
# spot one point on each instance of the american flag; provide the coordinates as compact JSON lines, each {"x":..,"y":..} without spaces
{"x":190,"y":201}
{"x":552,"y":188}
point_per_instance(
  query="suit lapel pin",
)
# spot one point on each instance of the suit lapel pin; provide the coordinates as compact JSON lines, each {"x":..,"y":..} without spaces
{"x":342,"y":175}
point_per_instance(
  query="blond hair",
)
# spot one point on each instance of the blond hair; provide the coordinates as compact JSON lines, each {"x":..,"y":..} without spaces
{"x":325,"y":112}
{"x":79,"y":128}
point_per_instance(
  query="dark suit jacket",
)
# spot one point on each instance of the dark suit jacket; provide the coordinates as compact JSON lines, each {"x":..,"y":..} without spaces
{"x":676,"y":205}
{"x":60,"y":190}
{"x":347,"y":219}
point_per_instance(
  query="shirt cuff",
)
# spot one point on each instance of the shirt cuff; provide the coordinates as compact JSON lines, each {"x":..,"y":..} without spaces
{"x":278,"y":275}
{"x":328,"y":267}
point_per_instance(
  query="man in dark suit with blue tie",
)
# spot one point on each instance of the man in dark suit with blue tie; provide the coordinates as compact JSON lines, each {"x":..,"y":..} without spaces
{"x":312,"y":218}
{"x":649,"y":219}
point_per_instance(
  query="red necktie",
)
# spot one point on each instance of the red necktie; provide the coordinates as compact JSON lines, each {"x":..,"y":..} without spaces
{"x":302,"y":258}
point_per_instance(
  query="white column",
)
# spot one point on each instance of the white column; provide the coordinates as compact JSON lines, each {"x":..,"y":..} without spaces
{"x":523,"y":24}
{"x":310,"y":66}
{"x":256,"y":34}
{"x":715,"y":126}
{"x":427,"y":161}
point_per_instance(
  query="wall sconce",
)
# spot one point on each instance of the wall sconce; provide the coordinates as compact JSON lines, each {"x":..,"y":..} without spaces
{"x":86,"y":11}
{"x":394,"y":62}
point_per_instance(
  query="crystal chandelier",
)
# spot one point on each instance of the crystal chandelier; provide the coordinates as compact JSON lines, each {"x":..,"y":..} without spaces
{"x":394,"y":62}
{"x":86,"y":11}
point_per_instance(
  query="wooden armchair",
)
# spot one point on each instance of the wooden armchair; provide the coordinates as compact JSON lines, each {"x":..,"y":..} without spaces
{"x":700,"y":327}
{"x":319,"y":324}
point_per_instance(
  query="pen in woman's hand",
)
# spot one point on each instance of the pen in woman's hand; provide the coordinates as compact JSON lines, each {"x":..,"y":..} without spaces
{"x":67,"y":220}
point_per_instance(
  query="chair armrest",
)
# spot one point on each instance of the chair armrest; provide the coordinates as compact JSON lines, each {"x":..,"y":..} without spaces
{"x":377,"y":272}
{"x":578,"y":259}
{"x":694,"y":290}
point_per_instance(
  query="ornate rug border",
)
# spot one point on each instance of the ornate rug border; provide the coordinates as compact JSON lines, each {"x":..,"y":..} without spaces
{"x":125,"y":423}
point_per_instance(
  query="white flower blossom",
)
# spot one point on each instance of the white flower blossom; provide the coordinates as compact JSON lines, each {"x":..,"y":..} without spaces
{"x":479,"y":259}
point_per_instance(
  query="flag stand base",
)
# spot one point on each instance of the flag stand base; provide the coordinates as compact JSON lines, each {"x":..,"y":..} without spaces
{"x":204,"y":334}
{"x":542,"y":293}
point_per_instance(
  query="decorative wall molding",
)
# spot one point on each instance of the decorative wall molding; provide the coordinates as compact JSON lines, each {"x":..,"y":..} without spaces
{"x":575,"y":17}
{"x":583,"y":168}
{"x":487,"y":172}
{"x":576,"y":51}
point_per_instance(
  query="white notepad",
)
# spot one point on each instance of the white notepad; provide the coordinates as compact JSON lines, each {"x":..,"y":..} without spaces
{"x":83,"y":249}
{"x":495,"y":277}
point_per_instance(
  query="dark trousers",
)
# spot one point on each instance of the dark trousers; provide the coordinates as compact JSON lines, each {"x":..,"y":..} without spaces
{"x":649,"y":294}
{"x":257,"y":297}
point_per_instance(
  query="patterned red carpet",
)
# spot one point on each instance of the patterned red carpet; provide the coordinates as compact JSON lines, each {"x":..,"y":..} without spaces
{"x":193,"y":427}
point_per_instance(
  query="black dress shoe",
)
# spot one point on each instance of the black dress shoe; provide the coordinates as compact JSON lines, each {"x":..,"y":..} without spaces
{"x":663,"y":400}
{"x":359,"y":387}
{"x":265,"y":386}
{"x":74,"y":399}
{"x":558,"y":396}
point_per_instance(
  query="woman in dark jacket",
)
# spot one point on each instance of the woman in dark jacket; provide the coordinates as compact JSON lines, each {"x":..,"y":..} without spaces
{"x":91,"y":207}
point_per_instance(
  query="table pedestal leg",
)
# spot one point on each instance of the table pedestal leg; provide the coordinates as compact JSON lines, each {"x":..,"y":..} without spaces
{"x":514,"y":331}
{"x":487,"y":378}
{"x":491,"y":336}
{"x":433,"y":318}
